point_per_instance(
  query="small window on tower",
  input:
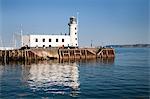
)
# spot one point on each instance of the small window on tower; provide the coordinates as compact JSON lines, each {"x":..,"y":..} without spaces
{"x":75,"y":33}
{"x":50,"y":40}
{"x":43,"y":40}
{"x":43,"y":45}
{"x":62,"y":40}
{"x":56,"y":40}
{"x":49,"y":45}
{"x":75,"y":38}
{"x":75,"y":28}
{"x":36,"y":40}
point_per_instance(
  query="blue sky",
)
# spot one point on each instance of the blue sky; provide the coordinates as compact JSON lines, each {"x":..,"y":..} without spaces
{"x":102,"y":21}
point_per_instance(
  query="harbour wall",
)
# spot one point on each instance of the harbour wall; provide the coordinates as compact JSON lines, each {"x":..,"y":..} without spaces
{"x":56,"y":53}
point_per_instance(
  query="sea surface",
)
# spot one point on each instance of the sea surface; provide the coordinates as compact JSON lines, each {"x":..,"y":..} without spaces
{"x":127,"y":76}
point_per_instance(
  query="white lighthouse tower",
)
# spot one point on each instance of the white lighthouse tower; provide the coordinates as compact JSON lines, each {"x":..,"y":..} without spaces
{"x":73,"y":32}
{"x":48,"y":41}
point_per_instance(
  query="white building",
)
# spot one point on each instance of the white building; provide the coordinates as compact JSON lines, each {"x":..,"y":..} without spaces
{"x":69,"y":40}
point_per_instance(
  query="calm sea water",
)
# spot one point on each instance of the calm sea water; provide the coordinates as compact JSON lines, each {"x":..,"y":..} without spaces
{"x":125,"y":77}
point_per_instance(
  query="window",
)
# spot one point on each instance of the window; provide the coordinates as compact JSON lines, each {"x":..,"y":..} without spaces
{"x":75,"y":28}
{"x":36,"y":40}
{"x":50,"y":40}
{"x":56,"y":40}
{"x":75,"y":38}
{"x":49,"y":45}
{"x":75,"y":33}
{"x":43,"y":40}
{"x":43,"y":45}
{"x":62,"y":40}
{"x":76,"y":44}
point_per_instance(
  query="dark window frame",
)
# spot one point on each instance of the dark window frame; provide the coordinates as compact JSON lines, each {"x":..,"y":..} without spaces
{"x":36,"y":40}
{"x":43,"y":39}
{"x":56,"y":40}
{"x":63,"y":40}
{"x":50,"y":40}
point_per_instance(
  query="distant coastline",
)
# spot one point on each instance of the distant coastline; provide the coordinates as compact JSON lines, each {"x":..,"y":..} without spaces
{"x":131,"y":46}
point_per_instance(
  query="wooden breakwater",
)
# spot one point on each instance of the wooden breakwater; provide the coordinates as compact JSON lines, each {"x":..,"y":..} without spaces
{"x":56,"y":53}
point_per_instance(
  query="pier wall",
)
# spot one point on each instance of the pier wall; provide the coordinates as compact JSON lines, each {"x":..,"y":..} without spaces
{"x":55,"y":53}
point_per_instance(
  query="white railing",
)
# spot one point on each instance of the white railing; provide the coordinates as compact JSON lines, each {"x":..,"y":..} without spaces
{"x":7,"y":48}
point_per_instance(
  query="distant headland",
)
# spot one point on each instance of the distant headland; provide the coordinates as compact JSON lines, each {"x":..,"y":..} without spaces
{"x":131,"y":46}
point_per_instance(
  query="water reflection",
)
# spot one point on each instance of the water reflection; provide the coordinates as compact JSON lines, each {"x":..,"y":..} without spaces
{"x":49,"y":77}
{"x":1,"y":72}
{"x":53,"y":77}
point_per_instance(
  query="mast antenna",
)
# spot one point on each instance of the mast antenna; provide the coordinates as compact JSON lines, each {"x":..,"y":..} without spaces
{"x":1,"y":41}
{"x":21,"y":33}
{"x":77,"y":17}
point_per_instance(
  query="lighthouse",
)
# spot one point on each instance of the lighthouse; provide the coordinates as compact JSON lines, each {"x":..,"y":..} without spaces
{"x":73,"y":31}
{"x":48,"y":41}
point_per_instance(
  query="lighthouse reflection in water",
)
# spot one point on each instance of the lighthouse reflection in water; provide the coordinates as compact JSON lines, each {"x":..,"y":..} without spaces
{"x":57,"y":78}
